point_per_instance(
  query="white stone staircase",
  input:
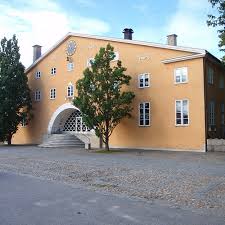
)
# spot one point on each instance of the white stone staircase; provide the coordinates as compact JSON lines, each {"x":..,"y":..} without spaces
{"x":62,"y":140}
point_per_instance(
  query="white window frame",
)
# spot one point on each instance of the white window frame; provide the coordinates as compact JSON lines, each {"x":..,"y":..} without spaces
{"x":182,"y":124}
{"x":144,"y":117}
{"x":37,"y":96}
{"x":143,"y":77}
{"x":211,"y":113}
{"x":70,"y":91}
{"x":38,"y":74}
{"x":89,"y":61}
{"x":182,"y":71}
{"x":53,"y":93}
{"x":117,"y":56}
{"x":70,"y":66}
{"x":210,"y":75}
{"x":53,"y":71}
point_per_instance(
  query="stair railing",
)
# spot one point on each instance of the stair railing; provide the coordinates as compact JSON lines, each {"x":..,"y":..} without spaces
{"x":87,"y":143}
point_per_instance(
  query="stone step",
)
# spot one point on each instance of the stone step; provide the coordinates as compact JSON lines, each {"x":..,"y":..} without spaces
{"x":62,"y":140}
{"x":58,"y":146}
{"x":64,"y":143}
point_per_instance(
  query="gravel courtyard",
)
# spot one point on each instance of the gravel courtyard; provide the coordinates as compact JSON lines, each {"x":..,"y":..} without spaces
{"x":179,"y":179}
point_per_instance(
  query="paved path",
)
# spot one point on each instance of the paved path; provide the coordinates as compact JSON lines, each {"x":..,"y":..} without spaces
{"x":27,"y":200}
{"x":193,"y":181}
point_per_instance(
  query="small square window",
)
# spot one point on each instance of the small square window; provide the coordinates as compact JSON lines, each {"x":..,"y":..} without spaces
{"x":181,"y":75}
{"x":38,"y":74}
{"x":144,"y":80}
{"x":53,"y":93}
{"x":53,"y":71}
{"x":70,"y":66}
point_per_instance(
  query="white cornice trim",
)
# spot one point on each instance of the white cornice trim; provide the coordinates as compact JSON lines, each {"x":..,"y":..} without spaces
{"x":183,"y":58}
{"x":134,"y":42}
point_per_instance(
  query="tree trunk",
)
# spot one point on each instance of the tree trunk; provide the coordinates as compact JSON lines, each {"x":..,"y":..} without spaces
{"x":9,"y":139}
{"x":100,"y":142}
{"x":107,"y":144}
{"x":107,"y":136}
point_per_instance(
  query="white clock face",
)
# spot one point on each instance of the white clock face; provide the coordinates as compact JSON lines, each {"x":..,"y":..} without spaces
{"x":71,"y":48}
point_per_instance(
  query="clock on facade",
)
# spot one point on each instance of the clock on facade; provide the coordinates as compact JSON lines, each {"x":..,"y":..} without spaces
{"x":71,"y":48}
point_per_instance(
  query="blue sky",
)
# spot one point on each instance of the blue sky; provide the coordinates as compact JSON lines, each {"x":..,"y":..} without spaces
{"x":44,"y":22}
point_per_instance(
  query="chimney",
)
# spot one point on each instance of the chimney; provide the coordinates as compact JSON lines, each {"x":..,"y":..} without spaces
{"x":128,"y":33}
{"x":36,"y":52}
{"x":172,"y":39}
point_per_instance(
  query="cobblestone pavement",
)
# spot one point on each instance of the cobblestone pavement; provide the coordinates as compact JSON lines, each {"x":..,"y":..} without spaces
{"x":179,"y":179}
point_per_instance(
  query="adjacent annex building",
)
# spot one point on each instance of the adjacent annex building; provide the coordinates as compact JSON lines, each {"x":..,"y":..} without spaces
{"x":179,"y":101}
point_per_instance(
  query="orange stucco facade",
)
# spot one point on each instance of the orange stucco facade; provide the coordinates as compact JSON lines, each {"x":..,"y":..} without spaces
{"x":162,"y":133}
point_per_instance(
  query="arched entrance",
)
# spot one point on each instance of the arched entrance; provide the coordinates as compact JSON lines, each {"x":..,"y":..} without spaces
{"x":67,"y":118}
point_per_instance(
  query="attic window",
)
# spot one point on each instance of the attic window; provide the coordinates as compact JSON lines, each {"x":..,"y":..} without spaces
{"x":53,"y":71}
{"x":38,"y":74}
{"x":70,"y":66}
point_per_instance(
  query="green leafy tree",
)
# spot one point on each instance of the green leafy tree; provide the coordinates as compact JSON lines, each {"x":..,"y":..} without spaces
{"x":219,"y":21}
{"x":15,"y":101}
{"x":102,"y":98}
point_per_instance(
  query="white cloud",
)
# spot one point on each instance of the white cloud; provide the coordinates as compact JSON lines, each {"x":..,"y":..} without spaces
{"x":189,"y":23}
{"x":43,"y":22}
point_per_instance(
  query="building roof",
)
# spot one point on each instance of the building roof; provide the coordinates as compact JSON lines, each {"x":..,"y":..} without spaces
{"x":198,"y":51}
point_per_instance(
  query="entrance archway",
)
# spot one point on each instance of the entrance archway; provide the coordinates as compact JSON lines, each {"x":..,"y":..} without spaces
{"x":67,"y":118}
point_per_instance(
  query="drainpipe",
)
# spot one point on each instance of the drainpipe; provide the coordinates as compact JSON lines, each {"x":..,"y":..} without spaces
{"x":205,"y":101}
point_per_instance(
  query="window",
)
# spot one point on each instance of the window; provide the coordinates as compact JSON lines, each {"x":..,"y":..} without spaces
{"x":89,"y":61}
{"x":53,"y":93}
{"x":53,"y":71}
{"x":210,"y":75}
{"x":24,"y":122}
{"x":182,"y":112}
{"x":38,"y":74}
{"x":117,"y":56}
{"x":37,"y":95}
{"x":92,"y":86}
{"x":222,"y":114}
{"x":211,"y":113}
{"x":181,"y":75}
{"x":116,"y":84}
{"x":70,"y":91}
{"x":221,"y":82}
{"x":144,"y":80}
{"x":144,"y":114}
{"x":70,"y":66}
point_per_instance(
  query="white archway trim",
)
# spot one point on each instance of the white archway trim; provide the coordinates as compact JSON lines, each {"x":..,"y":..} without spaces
{"x":57,"y":112}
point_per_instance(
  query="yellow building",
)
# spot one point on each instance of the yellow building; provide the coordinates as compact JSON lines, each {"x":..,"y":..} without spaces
{"x":179,"y":92}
